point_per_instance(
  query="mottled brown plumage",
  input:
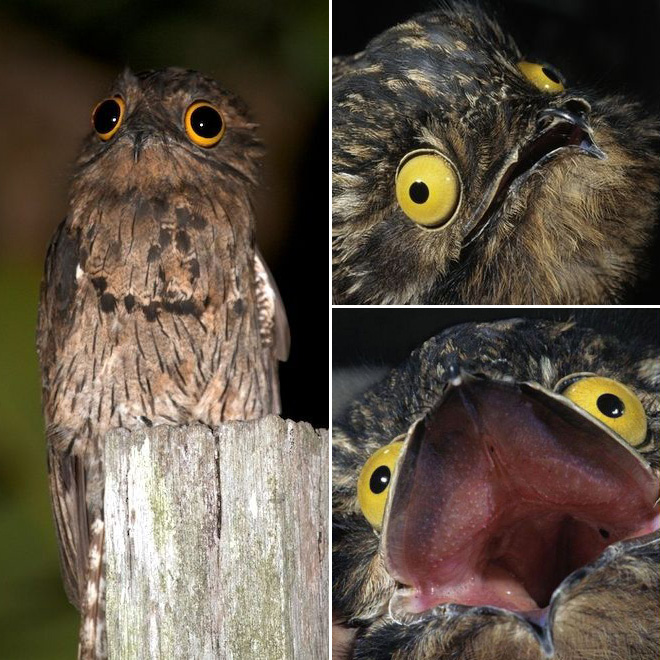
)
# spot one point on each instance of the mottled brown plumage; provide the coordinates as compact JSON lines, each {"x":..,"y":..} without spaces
{"x":571,"y":228}
{"x":606,"y":609}
{"x":156,"y":307}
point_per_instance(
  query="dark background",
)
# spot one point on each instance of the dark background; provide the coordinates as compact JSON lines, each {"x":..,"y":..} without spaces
{"x":59,"y":57}
{"x":386,"y":336}
{"x":607,"y":45}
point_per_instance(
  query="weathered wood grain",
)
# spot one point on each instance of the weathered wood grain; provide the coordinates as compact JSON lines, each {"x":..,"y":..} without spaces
{"x":216,"y":542}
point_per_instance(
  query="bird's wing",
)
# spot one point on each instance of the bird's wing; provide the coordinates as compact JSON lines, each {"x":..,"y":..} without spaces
{"x":66,"y":471}
{"x":273,"y":323}
{"x":67,"y":491}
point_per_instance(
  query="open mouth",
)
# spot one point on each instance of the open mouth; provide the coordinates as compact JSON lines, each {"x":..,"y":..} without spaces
{"x":501,"y":493}
{"x":560,"y":131}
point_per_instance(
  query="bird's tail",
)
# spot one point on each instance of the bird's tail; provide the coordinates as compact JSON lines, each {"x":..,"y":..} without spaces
{"x":92,"y":637}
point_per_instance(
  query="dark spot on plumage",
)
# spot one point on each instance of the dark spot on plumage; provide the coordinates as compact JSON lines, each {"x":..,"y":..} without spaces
{"x":183,"y":241}
{"x":161,"y":274}
{"x":142,"y":209}
{"x":207,"y":301}
{"x":100,"y":284}
{"x":239,"y":307}
{"x":160,"y":208}
{"x":197,"y":221}
{"x":182,"y":307}
{"x":164,"y":238}
{"x":151,"y":311}
{"x":108,"y":302}
{"x":154,"y":253}
{"x":187,"y":219}
{"x":83,"y":257}
{"x":129,"y":302}
{"x":193,"y":266}
{"x":146,"y":420}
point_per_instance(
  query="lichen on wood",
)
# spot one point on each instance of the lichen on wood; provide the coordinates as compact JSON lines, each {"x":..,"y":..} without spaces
{"x":216,"y":541}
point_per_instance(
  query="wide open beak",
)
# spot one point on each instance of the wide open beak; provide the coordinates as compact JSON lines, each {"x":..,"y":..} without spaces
{"x":501,"y":492}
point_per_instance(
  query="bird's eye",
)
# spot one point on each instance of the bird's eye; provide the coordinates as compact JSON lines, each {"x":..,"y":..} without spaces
{"x":428,"y":188}
{"x":613,"y":404}
{"x":204,"y":124}
{"x":374,"y":482}
{"x":107,"y":117}
{"x":542,"y":76}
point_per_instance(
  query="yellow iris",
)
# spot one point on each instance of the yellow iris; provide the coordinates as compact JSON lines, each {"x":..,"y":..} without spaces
{"x":542,"y":76}
{"x":374,"y":482}
{"x":428,"y":188}
{"x":613,"y":404}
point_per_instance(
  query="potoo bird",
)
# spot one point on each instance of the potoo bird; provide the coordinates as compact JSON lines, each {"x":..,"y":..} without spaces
{"x":465,"y":171}
{"x":156,"y":307}
{"x":496,"y":497}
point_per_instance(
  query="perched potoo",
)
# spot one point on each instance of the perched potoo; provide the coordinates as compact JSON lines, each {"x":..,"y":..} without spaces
{"x":156,"y":307}
{"x":465,"y":172}
{"x":495,"y":498}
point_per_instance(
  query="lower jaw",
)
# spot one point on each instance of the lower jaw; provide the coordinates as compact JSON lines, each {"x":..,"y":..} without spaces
{"x":495,"y":586}
{"x":497,"y":592}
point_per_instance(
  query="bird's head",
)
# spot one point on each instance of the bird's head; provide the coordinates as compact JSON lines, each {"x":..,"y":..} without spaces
{"x":495,"y":479}
{"x":168,"y":130}
{"x":465,"y":172}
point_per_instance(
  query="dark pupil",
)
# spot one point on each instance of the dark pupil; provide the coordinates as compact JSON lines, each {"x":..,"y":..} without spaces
{"x":379,"y":479}
{"x":206,"y":122}
{"x":106,"y":116}
{"x":610,"y":405}
{"x":551,"y":73}
{"x":419,"y":192}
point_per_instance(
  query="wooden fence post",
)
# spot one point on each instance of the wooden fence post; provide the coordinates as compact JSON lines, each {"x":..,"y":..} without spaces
{"x":216,"y":542}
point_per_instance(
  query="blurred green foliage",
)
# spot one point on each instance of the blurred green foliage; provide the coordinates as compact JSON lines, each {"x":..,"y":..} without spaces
{"x":35,"y":620}
{"x":200,"y":34}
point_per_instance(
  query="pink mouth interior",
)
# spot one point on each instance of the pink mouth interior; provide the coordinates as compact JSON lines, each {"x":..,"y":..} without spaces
{"x":502,"y":493}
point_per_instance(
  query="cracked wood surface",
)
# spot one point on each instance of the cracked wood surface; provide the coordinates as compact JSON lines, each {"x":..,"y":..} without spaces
{"x":216,"y":541}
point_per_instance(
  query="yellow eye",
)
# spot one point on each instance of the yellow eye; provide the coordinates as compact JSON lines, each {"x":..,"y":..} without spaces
{"x":428,"y":188}
{"x":107,"y":117}
{"x":542,"y":76}
{"x":613,"y":404}
{"x":374,"y":482}
{"x":204,"y":124}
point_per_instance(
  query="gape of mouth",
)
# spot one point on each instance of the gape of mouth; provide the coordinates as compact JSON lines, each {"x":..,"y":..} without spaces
{"x":498,"y":499}
{"x":517,"y":563}
{"x":559,"y":137}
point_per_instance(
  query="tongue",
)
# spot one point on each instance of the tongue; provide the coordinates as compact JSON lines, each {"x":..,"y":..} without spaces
{"x":501,"y":492}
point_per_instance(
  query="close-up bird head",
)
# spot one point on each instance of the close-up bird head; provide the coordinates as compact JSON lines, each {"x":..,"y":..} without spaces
{"x":496,"y":496}
{"x":465,"y":171}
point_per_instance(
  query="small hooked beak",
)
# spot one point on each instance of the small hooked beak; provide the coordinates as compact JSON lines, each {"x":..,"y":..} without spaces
{"x":138,"y":142}
{"x":573,"y":125}
{"x":556,"y":130}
